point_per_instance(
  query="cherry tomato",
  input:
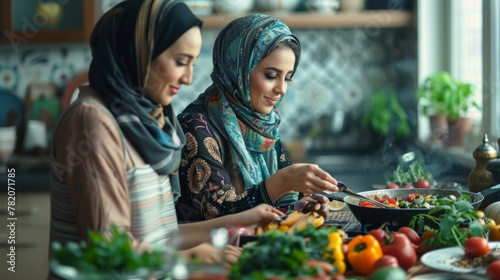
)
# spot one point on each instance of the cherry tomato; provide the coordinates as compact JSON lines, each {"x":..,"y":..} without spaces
{"x":480,"y":213}
{"x":386,"y":260}
{"x":407,"y":186}
{"x":411,"y":234}
{"x":483,"y":223}
{"x":493,"y":270}
{"x":368,"y":205}
{"x":491,"y":223}
{"x":422,"y":183}
{"x":392,"y":200}
{"x":379,"y":234}
{"x":392,"y":186}
{"x":476,"y":246}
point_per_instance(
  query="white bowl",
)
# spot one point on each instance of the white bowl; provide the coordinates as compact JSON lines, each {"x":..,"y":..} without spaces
{"x":276,"y":5}
{"x":233,"y":6}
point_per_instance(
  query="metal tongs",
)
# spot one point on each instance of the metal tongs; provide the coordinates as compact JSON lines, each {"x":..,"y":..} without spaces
{"x":343,"y":188}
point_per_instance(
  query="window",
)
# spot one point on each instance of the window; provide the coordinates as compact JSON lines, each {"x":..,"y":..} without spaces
{"x":466,"y":48}
{"x":463,"y":37}
{"x":491,"y":67}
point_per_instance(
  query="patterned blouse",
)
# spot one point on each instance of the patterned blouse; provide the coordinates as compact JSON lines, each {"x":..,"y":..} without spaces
{"x":211,"y":185}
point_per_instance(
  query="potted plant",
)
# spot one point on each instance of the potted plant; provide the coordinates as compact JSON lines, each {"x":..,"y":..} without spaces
{"x":445,"y":101}
{"x":386,"y":116}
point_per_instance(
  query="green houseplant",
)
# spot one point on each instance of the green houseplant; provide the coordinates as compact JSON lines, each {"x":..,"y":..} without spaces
{"x":446,"y":101}
{"x":386,"y":116}
{"x":440,"y":94}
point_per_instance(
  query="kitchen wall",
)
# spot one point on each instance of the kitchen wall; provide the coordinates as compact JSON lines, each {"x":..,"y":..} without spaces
{"x":338,"y":72}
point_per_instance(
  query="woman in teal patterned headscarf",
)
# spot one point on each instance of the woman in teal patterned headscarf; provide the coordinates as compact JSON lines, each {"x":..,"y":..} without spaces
{"x":233,"y":158}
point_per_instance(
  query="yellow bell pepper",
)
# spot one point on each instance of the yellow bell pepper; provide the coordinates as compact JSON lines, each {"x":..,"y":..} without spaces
{"x":334,"y":251}
{"x":362,"y":253}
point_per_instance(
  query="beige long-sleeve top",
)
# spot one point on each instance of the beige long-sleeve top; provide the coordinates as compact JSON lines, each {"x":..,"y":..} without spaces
{"x":98,"y":179}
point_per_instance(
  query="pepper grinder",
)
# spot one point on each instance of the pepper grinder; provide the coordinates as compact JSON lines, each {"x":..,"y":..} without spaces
{"x":494,"y":167}
{"x":480,"y":178}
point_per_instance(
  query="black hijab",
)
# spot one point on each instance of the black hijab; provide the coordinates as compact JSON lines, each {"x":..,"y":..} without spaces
{"x":124,"y":42}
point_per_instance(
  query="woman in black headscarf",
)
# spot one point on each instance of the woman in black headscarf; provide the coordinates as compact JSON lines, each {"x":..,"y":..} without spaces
{"x":116,"y":149}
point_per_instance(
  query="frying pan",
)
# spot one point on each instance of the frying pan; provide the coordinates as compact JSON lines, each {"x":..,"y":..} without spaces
{"x":397,"y":217}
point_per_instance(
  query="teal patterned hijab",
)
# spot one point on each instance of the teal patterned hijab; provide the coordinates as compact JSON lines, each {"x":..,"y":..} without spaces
{"x":239,"y":47}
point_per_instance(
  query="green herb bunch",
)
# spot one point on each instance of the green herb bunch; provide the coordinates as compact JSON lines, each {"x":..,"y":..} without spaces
{"x":282,"y":255}
{"x":113,"y":253}
{"x":410,"y":174}
{"x":454,"y":221}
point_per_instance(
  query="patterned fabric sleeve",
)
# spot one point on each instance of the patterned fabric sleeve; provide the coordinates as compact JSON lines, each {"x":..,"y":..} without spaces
{"x":210,"y":185}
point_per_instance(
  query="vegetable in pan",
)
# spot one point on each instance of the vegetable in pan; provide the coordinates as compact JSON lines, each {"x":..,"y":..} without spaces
{"x":417,"y":200}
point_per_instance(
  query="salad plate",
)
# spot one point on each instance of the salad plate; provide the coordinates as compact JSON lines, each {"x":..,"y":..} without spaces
{"x":444,"y":259}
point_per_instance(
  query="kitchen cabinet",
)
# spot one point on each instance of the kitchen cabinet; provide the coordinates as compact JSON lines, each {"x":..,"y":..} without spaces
{"x":33,"y":21}
{"x":364,"y":19}
{"x":31,"y":233}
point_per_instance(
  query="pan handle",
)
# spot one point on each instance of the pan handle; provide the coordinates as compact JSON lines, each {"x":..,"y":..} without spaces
{"x":489,"y":191}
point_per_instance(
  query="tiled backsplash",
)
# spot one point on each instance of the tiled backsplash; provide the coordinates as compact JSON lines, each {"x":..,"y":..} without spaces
{"x":338,"y":71}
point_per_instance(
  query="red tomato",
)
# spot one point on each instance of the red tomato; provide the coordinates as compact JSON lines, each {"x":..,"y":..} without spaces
{"x":366,"y":204}
{"x":476,"y":246}
{"x":493,"y":270}
{"x":392,"y":186}
{"x":386,"y":260}
{"x":392,"y":200}
{"x":379,"y":234}
{"x":399,"y":246}
{"x":407,"y":186}
{"x":422,"y":183}
{"x":411,"y":234}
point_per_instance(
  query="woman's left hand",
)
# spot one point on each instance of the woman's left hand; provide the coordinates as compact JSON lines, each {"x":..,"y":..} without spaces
{"x":317,"y":203}
{"x":261,"y":213}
